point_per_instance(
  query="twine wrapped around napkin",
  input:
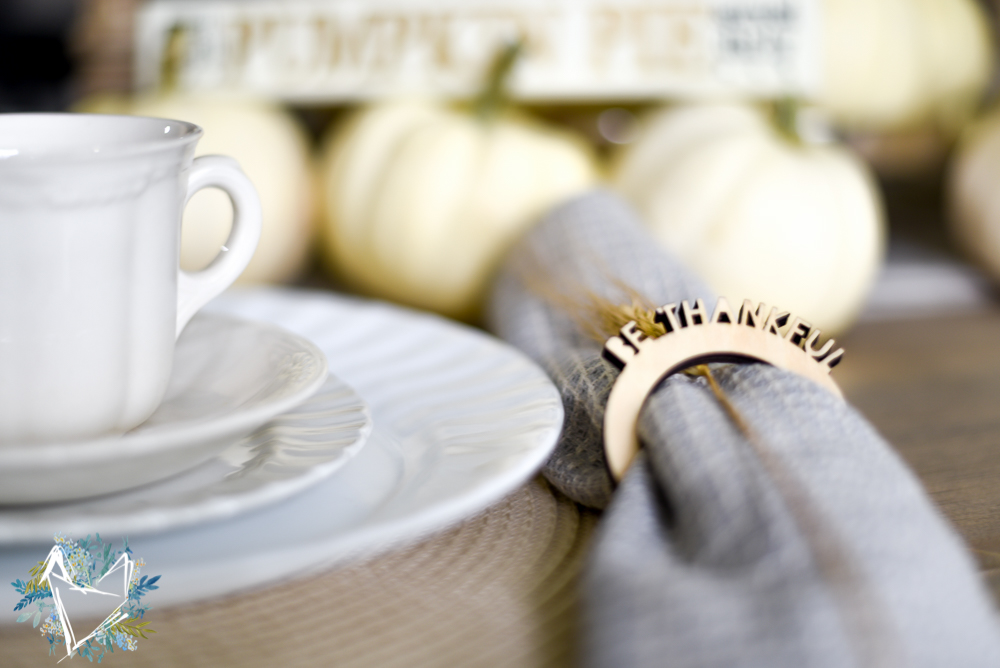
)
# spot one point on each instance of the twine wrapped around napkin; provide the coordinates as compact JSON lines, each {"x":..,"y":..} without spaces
{"x":765,"y":524}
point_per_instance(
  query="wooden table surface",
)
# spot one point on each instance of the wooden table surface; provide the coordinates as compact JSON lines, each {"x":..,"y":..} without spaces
{"x":932,"y":388}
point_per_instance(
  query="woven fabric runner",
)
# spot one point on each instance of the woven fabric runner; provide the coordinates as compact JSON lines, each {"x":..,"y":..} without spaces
{"x":498,"y":590}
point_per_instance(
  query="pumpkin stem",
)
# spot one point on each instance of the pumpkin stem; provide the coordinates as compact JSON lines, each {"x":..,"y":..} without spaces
{"x":493,"y":98}
{"x":784,"y":115}
{"x":173,"y":54}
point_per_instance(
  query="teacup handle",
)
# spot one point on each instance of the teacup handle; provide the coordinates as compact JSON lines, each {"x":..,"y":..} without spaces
{"x":195,"y":289}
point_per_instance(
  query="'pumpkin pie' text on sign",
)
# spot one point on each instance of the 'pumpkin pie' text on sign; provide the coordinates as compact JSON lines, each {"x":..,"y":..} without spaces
{"x":575,"y":49}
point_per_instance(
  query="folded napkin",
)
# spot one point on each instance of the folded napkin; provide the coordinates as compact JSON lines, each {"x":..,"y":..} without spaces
{"x":797,"y":538}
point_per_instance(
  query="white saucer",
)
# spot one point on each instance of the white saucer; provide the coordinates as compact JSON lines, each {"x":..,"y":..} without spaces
{"x":460,"y":421}
{"x":229,"y":377}
{"x":288,"y":454}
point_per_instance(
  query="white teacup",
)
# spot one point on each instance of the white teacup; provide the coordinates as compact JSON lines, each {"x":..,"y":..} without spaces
{"x":92,"y":297}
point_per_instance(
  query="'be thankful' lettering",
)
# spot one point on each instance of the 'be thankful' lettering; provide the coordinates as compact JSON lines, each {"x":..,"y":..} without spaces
{"x":629,"y":342}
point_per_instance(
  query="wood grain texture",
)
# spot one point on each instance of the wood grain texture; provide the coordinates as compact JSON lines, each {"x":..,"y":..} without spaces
{"x":932,"y":388}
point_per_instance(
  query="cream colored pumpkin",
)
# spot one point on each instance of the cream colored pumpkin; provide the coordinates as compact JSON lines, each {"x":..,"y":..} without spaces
{"x":272,"y":150}
{"x":798,"y":226}
{"x":421,"y":199}
{"x":891,"y":64}
{"x":974,"y":199}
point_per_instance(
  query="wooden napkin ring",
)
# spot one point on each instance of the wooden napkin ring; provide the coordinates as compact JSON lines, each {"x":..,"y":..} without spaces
{"x":692,"y":338}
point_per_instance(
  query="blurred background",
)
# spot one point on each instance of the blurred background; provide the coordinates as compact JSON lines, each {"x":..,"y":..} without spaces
{"x":837,"y":158}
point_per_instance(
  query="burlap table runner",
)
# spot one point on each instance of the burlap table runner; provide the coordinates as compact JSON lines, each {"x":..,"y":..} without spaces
{"x":497,"y":590}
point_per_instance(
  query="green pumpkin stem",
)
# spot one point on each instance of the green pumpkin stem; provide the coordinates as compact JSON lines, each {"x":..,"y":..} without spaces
{"x":784,"y":115}
{"x":494,"y":98}
{"x":173,"y":54}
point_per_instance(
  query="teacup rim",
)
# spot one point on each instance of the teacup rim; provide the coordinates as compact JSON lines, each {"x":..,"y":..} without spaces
{"x":188,"y":134}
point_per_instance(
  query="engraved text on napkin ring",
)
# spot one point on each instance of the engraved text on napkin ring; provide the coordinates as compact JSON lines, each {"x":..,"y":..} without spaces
{"x":693,"y":338}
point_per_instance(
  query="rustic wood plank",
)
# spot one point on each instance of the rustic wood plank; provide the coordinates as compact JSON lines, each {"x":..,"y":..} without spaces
{"x":932,"y":388}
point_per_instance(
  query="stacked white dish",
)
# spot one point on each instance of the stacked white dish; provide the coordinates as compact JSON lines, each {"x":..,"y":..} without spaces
{"x":259,"y":465}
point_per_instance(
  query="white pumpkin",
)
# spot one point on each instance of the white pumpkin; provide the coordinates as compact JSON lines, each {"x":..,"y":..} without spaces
{"x":891,"y":64}
{"x":422,"y":199}
{"x":973,"y":197}
{"x":756,"y":214}
{"x":273,"y":151}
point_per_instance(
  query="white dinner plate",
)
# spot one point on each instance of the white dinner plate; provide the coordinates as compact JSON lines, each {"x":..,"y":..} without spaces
{"x":229,"y":377}
{"x":293,"y":451}
{"x":460,"y":420}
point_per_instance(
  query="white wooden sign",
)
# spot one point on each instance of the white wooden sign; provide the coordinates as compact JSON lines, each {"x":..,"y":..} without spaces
{"x":342,"y":50}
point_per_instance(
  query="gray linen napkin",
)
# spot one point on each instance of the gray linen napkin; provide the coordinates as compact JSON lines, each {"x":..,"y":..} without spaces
{"x":800,"y":541}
